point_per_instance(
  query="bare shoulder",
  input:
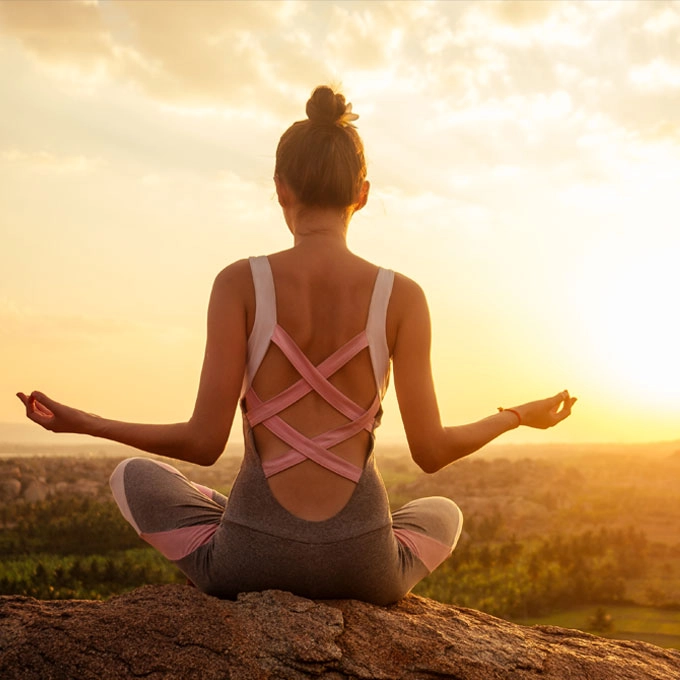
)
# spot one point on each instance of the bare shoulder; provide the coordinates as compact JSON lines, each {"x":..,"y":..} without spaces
{"x":237,"y":274}
{"x":234,"y":290}
{"x":408,"y":307}
{"x":407,"y":295}
{"x":235,"y":282}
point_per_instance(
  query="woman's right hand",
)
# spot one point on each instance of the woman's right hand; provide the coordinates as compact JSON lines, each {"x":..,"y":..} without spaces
{"x":545,"y":413}
{"x":51,"y":414}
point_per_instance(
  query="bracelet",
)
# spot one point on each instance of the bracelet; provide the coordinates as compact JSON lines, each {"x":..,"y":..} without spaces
{"x":512,"y":410}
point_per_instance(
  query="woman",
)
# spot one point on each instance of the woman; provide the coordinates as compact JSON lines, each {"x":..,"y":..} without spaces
{"x":303,"y":339}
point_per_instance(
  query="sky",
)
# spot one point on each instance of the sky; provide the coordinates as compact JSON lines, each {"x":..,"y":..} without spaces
{"x":523,"y":157}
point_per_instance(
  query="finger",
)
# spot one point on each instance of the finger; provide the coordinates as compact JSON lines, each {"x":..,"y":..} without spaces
{"x":557,"y":401}
{"x":42,"y":409}
{"x":35,"y":411}
{"x":44,"y":404}
{"x":43,"y":399}
{"x":559,"y":398}
{"x":565,"y":412}
{"x":40,"y":415}
{"x":30,"y":405}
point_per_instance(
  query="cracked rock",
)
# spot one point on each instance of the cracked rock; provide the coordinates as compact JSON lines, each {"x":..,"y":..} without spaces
{"x":176,"y":632}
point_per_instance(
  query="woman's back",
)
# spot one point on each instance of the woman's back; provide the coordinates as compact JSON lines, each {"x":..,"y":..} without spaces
{"x":322,"y":300}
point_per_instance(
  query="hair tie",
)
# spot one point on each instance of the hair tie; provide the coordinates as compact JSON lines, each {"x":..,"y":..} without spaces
{"x":348,"y":117}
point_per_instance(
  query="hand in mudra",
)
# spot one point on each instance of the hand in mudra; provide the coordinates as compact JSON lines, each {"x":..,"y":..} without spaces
{"x":545,"y":413}
{"x":51,"y":414}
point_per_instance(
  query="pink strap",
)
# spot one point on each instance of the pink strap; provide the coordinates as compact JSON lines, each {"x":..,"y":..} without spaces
{"x":312,"y":450}
{"x":325,"y":441}
{"x":260,"y":411}
{"x":309,"y":372}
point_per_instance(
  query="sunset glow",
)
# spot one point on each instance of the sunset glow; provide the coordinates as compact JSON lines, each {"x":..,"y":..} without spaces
{"x":523,"y":156}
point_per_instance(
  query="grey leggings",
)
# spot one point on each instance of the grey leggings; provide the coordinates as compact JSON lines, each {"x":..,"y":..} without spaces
{"x":250,"y":543}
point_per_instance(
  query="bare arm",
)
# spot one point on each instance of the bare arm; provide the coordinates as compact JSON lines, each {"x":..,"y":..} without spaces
{"x":203,"y":437}
{"x":432,"y":445}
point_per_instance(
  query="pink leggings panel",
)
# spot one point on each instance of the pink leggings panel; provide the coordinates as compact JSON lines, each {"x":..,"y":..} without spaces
{"x":429,"y":528}
{"x":168,"y":511}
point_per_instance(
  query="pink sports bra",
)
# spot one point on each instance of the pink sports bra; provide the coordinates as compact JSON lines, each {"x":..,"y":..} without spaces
{"x":314,"y":378}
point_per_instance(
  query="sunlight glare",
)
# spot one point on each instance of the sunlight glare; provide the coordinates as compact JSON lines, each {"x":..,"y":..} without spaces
{"x":626,"y":293}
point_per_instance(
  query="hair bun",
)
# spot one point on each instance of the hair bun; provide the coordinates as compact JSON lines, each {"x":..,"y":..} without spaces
{"x":325,"y":106}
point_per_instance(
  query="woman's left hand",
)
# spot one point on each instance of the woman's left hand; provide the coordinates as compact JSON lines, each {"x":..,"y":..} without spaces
{"x":51,"y":414}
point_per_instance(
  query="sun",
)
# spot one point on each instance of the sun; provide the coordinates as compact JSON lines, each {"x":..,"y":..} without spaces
{"x":629,"y":291}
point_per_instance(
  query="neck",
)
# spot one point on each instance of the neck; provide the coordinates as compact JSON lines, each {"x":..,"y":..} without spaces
{"x":321,"y":227}
{"x":320,"y":238}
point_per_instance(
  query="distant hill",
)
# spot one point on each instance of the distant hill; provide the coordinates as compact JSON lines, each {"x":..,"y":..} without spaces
{"x":29,"y":433}
{"x":580,"y":449}
{"x":27,"y":438}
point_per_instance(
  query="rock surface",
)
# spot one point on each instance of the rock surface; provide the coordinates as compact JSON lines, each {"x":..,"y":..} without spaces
{"x":176,"y":632}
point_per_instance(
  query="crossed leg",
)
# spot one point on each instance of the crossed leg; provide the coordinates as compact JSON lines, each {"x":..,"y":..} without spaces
{"x":168,"y":511}
{"x":430,"y":529}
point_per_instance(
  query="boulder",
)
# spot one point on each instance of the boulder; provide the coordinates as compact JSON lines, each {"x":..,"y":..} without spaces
{"x":82,"y":487}
{"x":176,"y":632}
{"x":36,"y":491}
{"x":10,"y":488}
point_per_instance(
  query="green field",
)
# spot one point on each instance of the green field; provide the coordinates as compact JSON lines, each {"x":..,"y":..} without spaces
{"x":657,"y":626}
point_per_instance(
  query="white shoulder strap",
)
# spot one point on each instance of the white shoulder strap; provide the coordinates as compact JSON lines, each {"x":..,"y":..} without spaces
{"x":265,"y":316}
{"x":376,"y":331}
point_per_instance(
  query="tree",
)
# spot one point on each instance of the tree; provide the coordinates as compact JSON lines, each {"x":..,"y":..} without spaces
{"x":601,"y":621}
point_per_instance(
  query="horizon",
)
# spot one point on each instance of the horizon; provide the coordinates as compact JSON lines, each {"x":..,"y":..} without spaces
{"x":531,"y":192}
{"x":24,"y":434}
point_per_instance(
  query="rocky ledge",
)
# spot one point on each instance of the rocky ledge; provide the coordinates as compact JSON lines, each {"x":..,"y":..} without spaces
{"x":176,"y":632}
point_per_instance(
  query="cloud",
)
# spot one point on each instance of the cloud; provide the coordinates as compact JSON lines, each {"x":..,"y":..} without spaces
{"x":516,"y":82}
{"x":46,"y":161}
{"x":523,"y":12}
{"x":524,"y":25}
{"x":250,"y":54}
{"x":227,"y":53}
{"x":666,"y":19}
{"x":198,"y":52}
{"x":657,"y":75}
{"x":664,"y":129}
{"x":58,"y":31}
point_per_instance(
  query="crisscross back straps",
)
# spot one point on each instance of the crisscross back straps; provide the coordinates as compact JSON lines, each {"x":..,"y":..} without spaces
{"x":263,"y":410}
{"x":314,"y":378}
{"x":316,"y":448}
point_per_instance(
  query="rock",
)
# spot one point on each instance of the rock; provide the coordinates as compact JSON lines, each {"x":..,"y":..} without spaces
{"x":88,"y":487}
{"x":36,"y":491}
{"x":83,"y":487}
{"x":10,"y":489}
{"x":176,"y":632}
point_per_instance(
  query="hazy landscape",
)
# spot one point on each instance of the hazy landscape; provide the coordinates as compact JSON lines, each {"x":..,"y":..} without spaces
{"x":580,"y":536}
